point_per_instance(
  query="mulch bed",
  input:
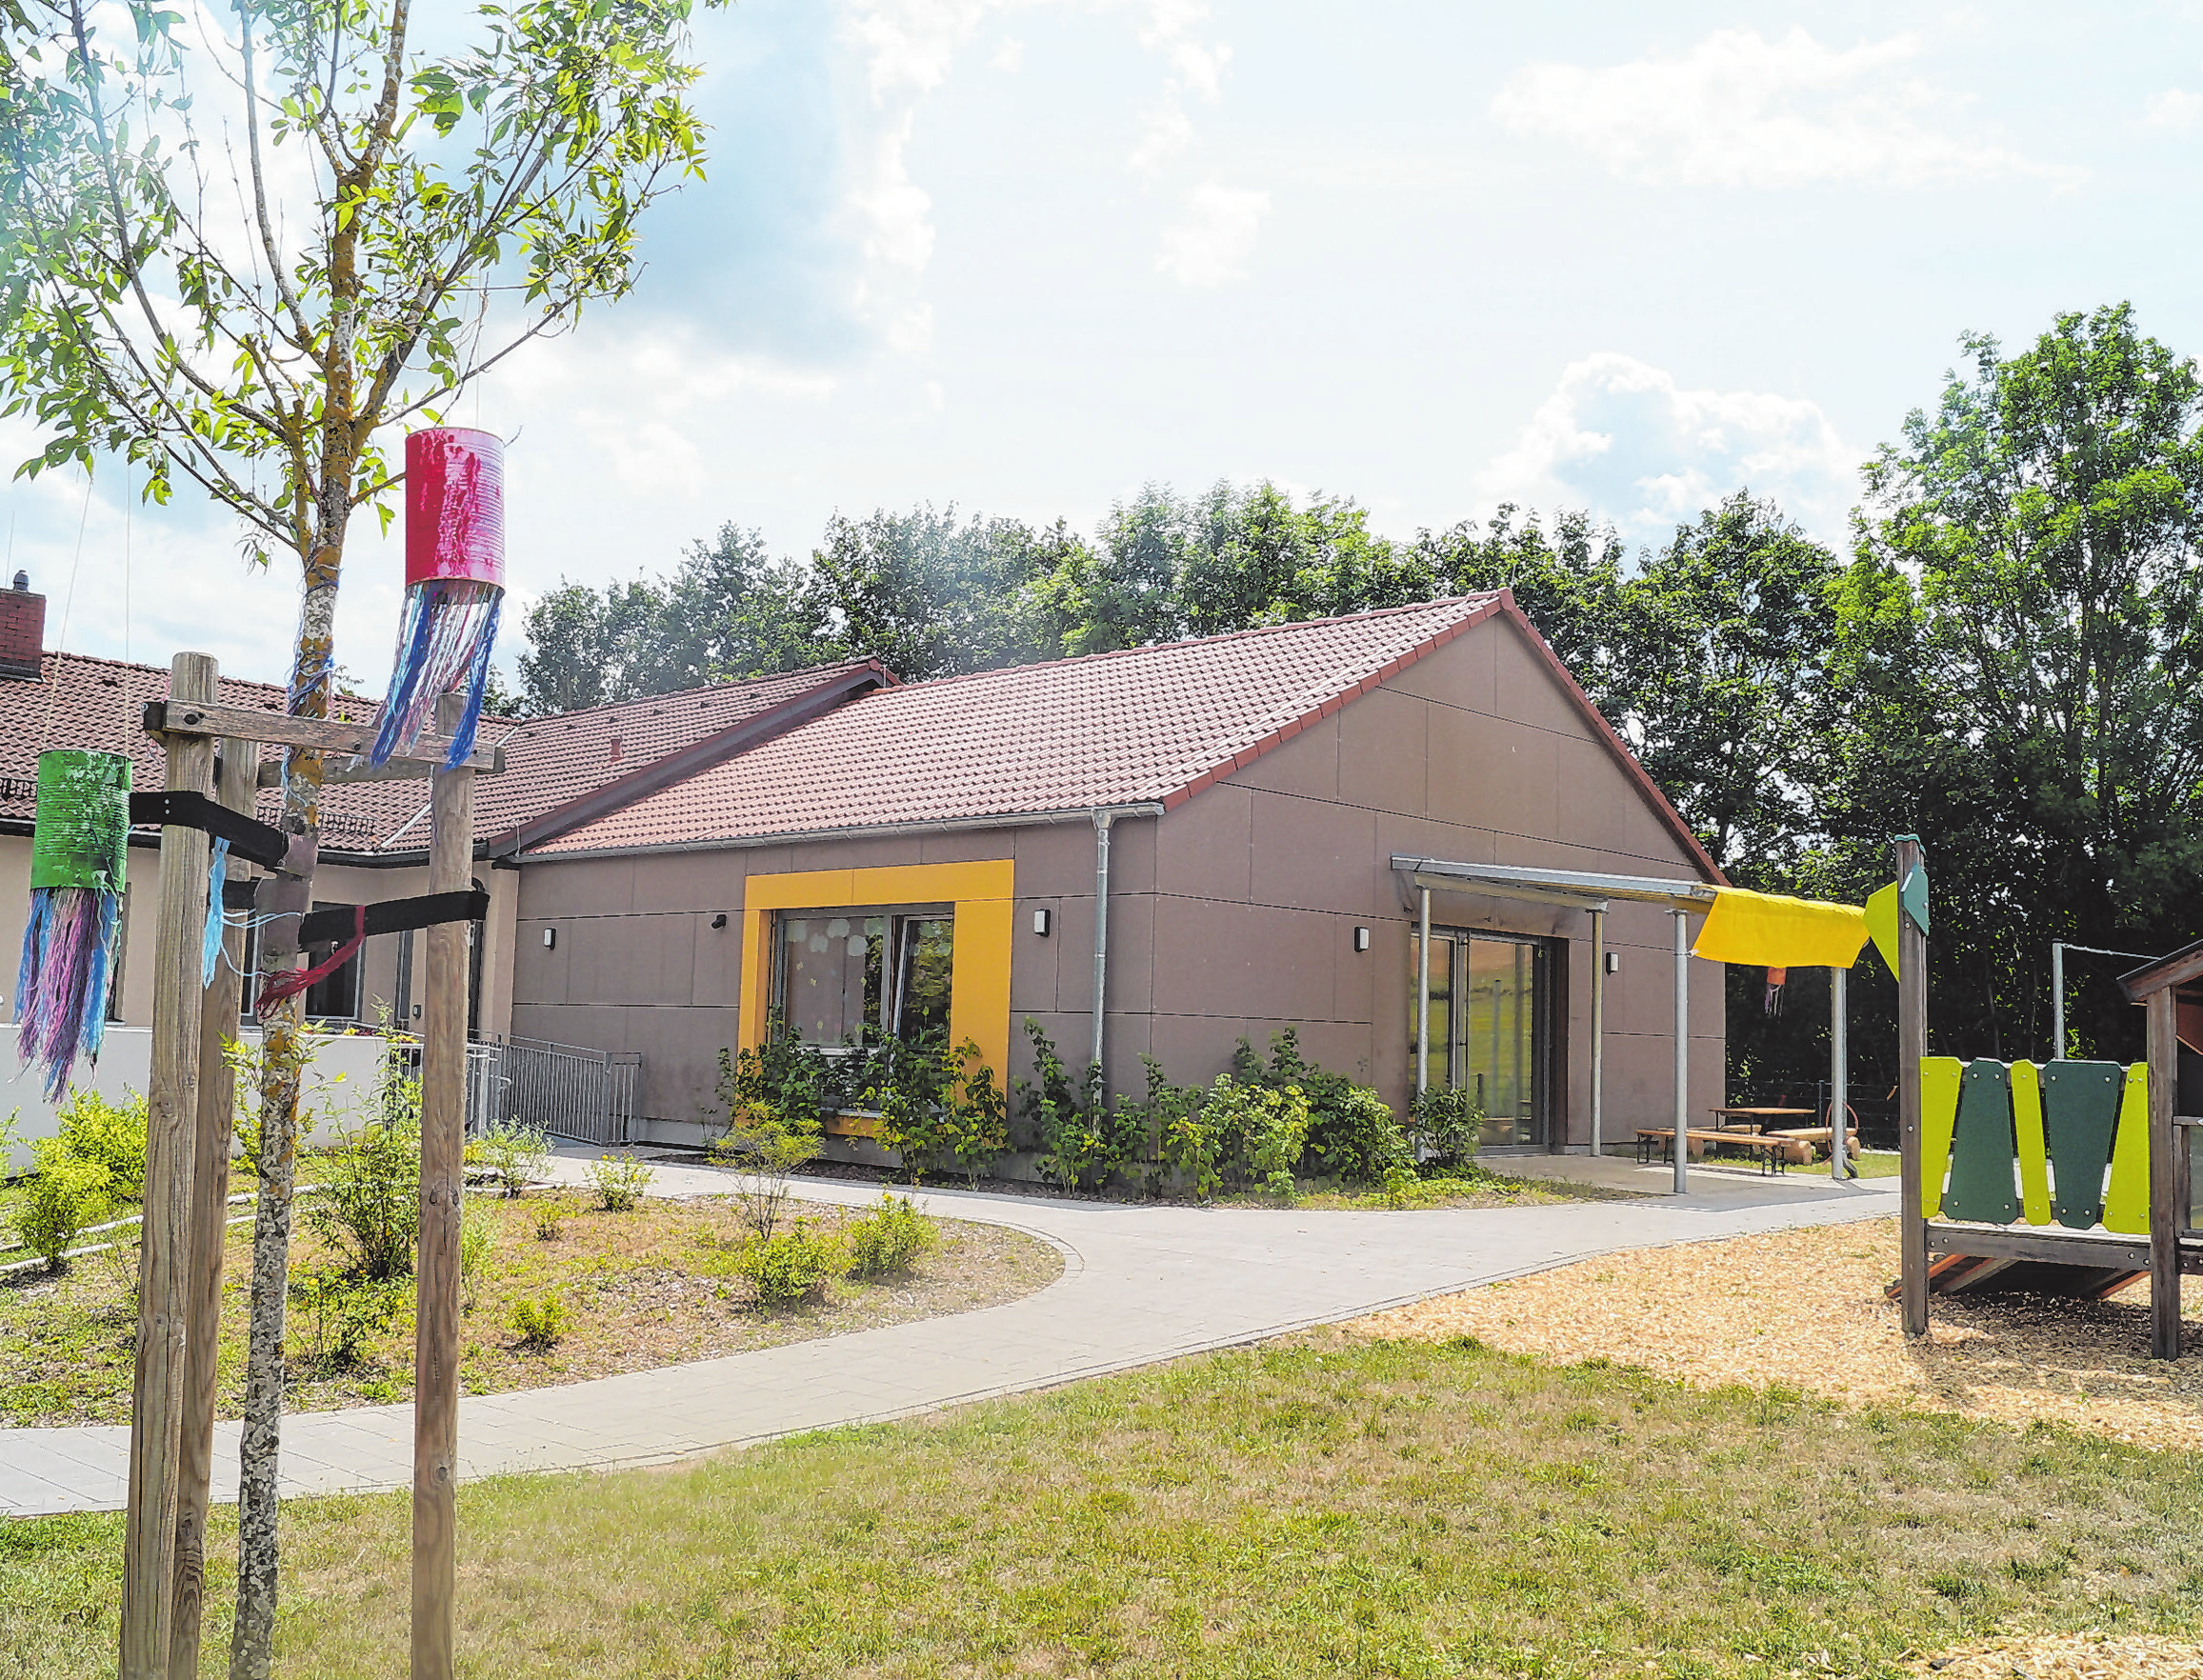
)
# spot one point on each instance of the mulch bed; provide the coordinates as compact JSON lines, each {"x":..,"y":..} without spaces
{"x":1806,"y":1310}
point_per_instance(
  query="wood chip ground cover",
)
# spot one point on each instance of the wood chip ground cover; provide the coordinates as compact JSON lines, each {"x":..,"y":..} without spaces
{"x":643,"y":1289}
{"x":1806,"y":1310}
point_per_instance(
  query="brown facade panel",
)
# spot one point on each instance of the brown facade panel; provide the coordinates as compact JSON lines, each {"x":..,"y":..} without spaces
{"x":1313,"y":854}
{"x":1384,"y":751}
{"x":1307,"y":765}
{"x":1204,"y":847}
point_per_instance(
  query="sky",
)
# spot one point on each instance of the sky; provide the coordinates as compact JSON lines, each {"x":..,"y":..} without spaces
{"x":1024,"y":256}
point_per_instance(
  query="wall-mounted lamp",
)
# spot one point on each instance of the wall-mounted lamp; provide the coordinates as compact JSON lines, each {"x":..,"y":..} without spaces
{"x":1361,"y":939}
{"x":719,"y":920}
{"x":1613,"y":961}
{"x":1042,"y":921}
{"x":550,"y":938}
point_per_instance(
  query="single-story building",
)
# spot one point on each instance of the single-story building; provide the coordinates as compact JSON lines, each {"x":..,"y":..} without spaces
{"x":936,"y":853}
{"x":838,"y":851}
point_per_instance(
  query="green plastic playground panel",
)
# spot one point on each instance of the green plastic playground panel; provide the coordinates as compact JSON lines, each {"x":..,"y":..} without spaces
{"x":2080,"y":1112}
{"x":2027,"y":1136}
{"x":1939,"y":1079}
{"x":1981,"y":1149}
{"x":2127,"y":1203}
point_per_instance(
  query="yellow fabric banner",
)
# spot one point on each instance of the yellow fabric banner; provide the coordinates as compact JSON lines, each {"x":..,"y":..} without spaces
{"x":1764,"y":930}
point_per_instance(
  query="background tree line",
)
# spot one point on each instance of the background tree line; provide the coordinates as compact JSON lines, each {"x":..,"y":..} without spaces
{"x":2005,"y":662}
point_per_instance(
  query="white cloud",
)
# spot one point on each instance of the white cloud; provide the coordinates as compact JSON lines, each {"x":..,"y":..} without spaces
{"x":2173,"y":111}
{"x":1740,"y":110}
{"x":1624,"y":439}
{"x":1213,"y":237}
{"x":1009,"y":58}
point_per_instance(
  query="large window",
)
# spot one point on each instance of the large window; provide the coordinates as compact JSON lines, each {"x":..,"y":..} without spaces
{"x":336,"y":996}
{"x":854,"y":976}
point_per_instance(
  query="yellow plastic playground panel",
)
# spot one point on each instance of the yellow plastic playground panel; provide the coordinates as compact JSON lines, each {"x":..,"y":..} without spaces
{"x":2127,"y":1200}
{"x":1939,"y":1077}
{"x":2027,"y":1132}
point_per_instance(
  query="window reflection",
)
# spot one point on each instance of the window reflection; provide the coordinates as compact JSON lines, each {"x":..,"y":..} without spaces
{"x":852,"y":977}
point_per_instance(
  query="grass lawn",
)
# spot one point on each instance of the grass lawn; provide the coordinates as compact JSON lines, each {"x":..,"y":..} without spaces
{"x":1475,"y":1189}
{"x":642,"y":1289}
{"x":1328,"y":1506}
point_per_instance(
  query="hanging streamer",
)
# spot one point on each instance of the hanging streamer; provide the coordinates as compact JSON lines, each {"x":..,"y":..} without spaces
{"x":217,"y":877}
{"x":454,"y":587}
{"x":293,"y":981}
{"x":1776,"y":979}
{"x":77,"y":848}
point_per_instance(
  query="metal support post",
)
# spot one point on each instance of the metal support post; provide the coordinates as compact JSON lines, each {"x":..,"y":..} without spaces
{"x":1422,"y":998}
{"x":1912,"y":1046}
{"x":1839,"y":1149}
{"x":1598,"y":1032}
{"x":2167,"y":1213}
{"x":2057,"y":1000}
{"x":1682,"y":1053}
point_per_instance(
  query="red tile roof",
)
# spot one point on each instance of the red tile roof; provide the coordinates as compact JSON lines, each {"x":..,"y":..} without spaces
{"x":570,"y":762}
{"x":1150,"y":725}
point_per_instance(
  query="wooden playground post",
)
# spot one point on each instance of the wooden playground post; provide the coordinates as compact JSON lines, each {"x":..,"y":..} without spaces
{"x":2166,"y":1213}
{"x":171,"y":1102}
{"x":236,"y":778}
{"x":1912,"y":1046}
{"x":443,"y":1144}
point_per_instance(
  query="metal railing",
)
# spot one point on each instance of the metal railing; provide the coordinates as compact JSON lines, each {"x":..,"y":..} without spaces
{"x":567,"y":1090}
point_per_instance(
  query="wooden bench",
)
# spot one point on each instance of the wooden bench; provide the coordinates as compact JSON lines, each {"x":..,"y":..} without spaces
{"x":1653,"y":1141}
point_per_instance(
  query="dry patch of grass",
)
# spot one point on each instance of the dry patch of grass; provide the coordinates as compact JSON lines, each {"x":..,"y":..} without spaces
{"x":1805,"y":1309}
{"x":2071,"y":1656}
{"x":651,"y":1287}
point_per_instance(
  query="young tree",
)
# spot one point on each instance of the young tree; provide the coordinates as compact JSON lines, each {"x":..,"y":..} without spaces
{"x":245,"y":262}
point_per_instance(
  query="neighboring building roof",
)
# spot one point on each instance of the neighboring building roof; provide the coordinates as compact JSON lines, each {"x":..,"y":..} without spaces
{"x":1145,"y":725}
{"x":559,"y":769}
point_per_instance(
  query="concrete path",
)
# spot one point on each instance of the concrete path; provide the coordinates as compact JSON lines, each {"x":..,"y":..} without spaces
{"x":1140,"y":1284}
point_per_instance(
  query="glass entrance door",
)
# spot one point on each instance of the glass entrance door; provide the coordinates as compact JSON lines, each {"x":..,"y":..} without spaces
{"x":1486,"y":1028}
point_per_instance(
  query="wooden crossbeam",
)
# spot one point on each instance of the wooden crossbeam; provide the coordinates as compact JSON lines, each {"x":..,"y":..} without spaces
{"x":321,"y":735}
{"x":399,"y":769}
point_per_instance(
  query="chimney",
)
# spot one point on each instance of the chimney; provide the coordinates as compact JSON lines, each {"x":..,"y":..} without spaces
{"x":22,"y":631}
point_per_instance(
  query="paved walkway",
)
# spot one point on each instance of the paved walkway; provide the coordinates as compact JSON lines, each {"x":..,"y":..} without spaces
{"x":1140,"y":1284}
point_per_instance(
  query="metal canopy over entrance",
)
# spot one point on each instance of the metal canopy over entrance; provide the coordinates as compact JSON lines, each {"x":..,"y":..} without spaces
{"x":1590,"y":893}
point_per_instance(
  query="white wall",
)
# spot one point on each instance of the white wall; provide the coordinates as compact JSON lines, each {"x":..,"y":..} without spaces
{"x":340,"y":1083}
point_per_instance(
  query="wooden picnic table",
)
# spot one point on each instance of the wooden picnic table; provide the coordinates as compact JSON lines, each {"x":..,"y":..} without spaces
{"x":1754,"y":1119}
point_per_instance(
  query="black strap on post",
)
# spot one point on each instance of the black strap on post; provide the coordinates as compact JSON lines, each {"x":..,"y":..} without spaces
{"x":266,"y":846}
{"x":333,"y":926}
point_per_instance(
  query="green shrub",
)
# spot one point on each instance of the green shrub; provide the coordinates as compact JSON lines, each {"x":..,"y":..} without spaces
{"x":340,"y":1313}
{"x":939,"y":1104}
{"x":64,"y":1194}
{"x":1352,"y":1134}
{"x":369,"y":1206}
{"x":514,"y":1155}
{"x":774,"y":1104}
{"x":620,"y":1184}
{"x":1080,"y":1142}
{"x":93,"y":1128}
{"x":1447,"y":1123}
{"x":892,"y":1238}
{"x":540,"y":1324}
{"x":798,"y":1264}
{"x":1260,"y":1133}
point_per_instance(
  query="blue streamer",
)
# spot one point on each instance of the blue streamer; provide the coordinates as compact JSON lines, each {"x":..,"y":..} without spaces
{"x":210,"y":952}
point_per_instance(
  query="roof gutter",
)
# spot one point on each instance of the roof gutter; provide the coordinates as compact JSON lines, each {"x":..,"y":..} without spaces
{"x":1578,"y":889}
{"x":865,"y":831}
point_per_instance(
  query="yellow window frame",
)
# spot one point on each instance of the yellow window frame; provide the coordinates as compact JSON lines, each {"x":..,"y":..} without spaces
{"x":984,"y":895}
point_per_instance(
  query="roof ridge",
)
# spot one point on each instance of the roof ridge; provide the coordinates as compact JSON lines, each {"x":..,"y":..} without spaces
{"x":1475,"y":599}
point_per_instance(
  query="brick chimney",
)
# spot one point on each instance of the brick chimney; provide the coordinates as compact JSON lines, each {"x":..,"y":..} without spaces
{"x":22,"y":630}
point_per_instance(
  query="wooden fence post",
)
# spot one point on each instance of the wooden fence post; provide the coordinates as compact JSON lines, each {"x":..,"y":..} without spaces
{"x":171,"y":1100}
{"x":234,"y":786}
{"x":2166,"y":1214}
{"x":443,"y":1143}
{"x":1912,"y":1046}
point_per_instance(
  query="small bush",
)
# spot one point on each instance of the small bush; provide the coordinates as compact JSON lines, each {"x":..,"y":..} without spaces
{"x":341,"y":1314}
{"x":798,"y":1264}
{"x":1260,"y":1132}
{"x":477,"y":1236}
{"x":63,"y":1196}
{"x":620,"y":1184}
{"x":514,"y":1155}
{"x":370,"y":1206}
{"x":1448,"y":1124}
{"x":93,"y":1128}
{"x":550,"y":1223}
{"x":1352,"y":1134}
{"x":892,"y":1238}
{"x":540,"y":1324}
